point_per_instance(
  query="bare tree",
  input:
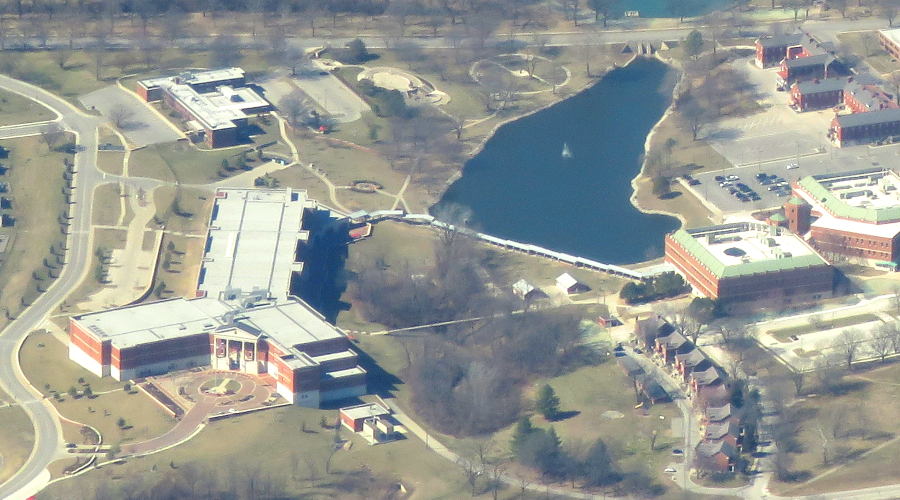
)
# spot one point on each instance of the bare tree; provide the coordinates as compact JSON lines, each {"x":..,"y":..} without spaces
{"x":848,"y":345}
{"x":882,"y":341}
{"x":51,"y":135}
{"x":296,"y":108}
{"x":120,"y":115}
{"x":889,"y":9}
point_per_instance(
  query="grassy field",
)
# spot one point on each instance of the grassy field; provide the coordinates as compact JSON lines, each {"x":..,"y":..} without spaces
{"x":107,"y":205}
{"x":36,"y":183}
{"x":16,"y":438}
{"x":146,"y":418}
{"x":298,"y":457}
{"x":16,"y":109}
{"x":873,"y":401}
{"x":784,"y":335}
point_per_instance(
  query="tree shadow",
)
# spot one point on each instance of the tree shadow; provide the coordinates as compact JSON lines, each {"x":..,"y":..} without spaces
{"x":565,"y":415}
{"x":671,"y":195}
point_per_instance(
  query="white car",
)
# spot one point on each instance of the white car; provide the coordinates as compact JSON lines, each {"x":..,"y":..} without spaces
{"x":792,"y":166}
{"x":670,"y":469}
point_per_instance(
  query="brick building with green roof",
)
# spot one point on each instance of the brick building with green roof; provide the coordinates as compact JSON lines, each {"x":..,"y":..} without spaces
{"x":850,"y":216}
{"x":750,"y":264}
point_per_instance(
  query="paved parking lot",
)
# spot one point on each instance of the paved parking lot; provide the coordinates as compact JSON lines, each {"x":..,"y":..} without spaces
{"x":769,"y":141}
{"x":142,"y":127}
{"x":778,"y":132}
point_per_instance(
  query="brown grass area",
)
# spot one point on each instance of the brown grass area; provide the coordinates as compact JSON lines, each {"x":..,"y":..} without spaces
{"x":35,"y":182}
{"x":875,"y":400}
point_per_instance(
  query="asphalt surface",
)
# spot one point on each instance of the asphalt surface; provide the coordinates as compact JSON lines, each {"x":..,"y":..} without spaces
{"x":142,"y":126}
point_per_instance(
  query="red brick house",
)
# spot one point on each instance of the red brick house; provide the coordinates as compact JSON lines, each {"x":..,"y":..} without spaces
{"x":862,"y":97}
{"x":770,"y":51}
{"x":717,"y":413}
{"x":817,"y":94}
{"x":668,"y":345}
{"x":687,"y":361}
{"x":864,"y":128}
{"x":727,"y":430}
{"x":716,"y":456}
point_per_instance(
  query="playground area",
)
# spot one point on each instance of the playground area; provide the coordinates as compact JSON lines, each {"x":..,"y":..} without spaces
{"x":413,"y":87}
{"x":525,"y":73}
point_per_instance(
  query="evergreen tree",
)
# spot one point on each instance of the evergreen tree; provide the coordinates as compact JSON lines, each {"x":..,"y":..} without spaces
{"x":523,"y":430}
{"x":547,"y":403}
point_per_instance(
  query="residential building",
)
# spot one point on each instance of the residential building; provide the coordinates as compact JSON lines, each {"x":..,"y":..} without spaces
{"x":804,"y":68}
{"x":750,"y":264}
{"x":864,"y":128}
{"x":862,"y":97}
{"x":215,"y":105}
{"x":770,"y":51}
{"x":716,"y":456}
{"x":853,"y":215}
{"x":817,"y":94}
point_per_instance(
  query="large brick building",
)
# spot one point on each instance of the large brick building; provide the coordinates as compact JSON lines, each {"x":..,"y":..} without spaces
{"x":244,"y":317}
{"x":750,"y":264}
{"x":853,"y":215}
{"x":215,"y":105}
{"x":310,"y":360}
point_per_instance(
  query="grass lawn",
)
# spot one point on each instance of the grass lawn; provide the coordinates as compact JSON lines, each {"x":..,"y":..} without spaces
{"x":344,"y":164}
{"x":875,"y":400}
{"x":107,"y":205}
{"x":36,"y":183}
{"x":784,"y":334}
{"x":111,"y":161}
{"x":183,"y":162}
{"x":180,"y":279}
{"x":16,"y":438}
{"x":229,"y":450}
{"x":146,"y":418}
{"x":591,"y":391}
{"x":183,"y":209}
{"x":16,"y":109}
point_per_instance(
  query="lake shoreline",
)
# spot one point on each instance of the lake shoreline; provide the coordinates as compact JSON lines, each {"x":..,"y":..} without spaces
{"x":641,"y":175}
{"x":606,"y":200}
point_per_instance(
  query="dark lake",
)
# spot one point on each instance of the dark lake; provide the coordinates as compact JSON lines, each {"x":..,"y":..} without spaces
{"x":658,"y":8}
{"x":521,"y":188}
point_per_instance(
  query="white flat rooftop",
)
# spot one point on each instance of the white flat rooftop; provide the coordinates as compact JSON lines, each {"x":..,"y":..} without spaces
{"x":252,"y":241}
{"x":880,"y":189}
{"x":827,"y":221}
{"x":742,"y":243}
{"x":365,"y":411}
{"x":156,"y":321}
{"x":892,"y":34}
{"x":196,"y":77}
{"x":290,"y":323}
{"x":202,"y":108}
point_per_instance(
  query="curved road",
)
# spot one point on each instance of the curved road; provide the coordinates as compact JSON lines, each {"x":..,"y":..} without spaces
{"x":48,"y":436}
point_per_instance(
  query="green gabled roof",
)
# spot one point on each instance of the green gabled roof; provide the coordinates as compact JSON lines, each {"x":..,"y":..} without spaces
{"x":839,"y":208}
{"x":777,"y":217}
{"x":796,"y":200}
{"x":718,"y":268}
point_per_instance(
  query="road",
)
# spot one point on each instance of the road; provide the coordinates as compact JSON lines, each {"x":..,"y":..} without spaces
{"x":48,"y":436}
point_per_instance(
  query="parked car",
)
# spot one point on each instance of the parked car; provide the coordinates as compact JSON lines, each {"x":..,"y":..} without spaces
{"x":719,"y":178}
{"x":791,"y":166}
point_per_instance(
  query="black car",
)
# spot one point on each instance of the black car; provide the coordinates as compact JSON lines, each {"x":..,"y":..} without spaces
{"x":719,"y":178}
{"x":743,"y":187}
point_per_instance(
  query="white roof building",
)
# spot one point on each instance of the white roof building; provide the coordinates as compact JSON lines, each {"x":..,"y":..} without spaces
{"x":252,"y":243}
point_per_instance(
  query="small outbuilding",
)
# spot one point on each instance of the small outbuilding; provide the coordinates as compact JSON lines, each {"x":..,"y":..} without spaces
{"x":526,"y":291}
{"x":569,"y":285}
{"x":354,"y":417}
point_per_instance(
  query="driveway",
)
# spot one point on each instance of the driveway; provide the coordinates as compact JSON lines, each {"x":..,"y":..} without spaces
{"x":142,"y":126}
